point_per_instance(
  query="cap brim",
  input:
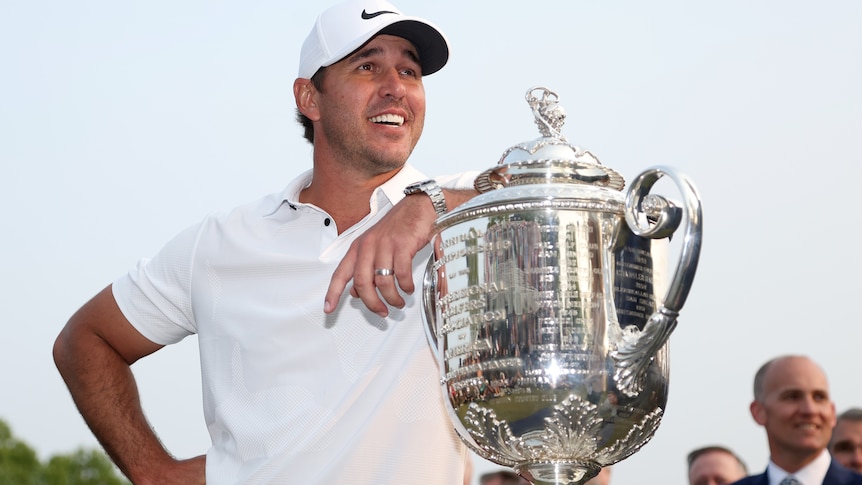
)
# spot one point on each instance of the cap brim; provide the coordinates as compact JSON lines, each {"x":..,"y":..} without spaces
{"x":431,"y":44}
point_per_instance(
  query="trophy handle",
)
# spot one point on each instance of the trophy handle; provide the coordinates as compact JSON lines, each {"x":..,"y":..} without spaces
{"x":643,"y":208}
{"x":655,"y":217}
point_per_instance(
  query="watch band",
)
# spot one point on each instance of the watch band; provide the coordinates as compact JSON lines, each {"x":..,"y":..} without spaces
{"x":433,"y":191}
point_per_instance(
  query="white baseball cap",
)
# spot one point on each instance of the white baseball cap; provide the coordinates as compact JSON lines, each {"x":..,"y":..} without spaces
{"x":345,"y":27}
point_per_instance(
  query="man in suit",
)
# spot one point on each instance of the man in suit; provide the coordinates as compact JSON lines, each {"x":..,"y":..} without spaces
{"x":792,"y":403}
{"x":714,"y":465}
{"x":846,"y":442}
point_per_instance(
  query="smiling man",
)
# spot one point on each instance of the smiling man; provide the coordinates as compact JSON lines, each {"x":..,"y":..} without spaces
{"x":300,"y":385}
{"x":792,"y":403}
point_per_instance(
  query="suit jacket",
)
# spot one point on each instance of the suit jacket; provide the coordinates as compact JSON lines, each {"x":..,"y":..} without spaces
{"x":836,"y":475}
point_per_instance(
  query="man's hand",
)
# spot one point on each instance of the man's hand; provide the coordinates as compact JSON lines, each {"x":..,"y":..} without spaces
{"x":182,"y":472}
{"x":94,"y":353}
{"x":390,"y":245}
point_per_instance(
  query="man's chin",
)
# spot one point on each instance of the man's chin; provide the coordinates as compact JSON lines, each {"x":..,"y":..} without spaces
{"x":384,"y":165}
{"x":810,"y":444}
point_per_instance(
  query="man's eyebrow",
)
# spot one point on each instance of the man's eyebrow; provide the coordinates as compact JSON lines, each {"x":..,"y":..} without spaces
{"x":364,"y":53}
{"x":790,"y":391}
{"x":373,"y":51}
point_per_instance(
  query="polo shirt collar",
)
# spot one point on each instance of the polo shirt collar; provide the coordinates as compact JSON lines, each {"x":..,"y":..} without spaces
{"x":392,"y":189}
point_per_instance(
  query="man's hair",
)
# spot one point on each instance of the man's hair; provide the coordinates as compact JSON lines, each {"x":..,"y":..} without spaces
{"x":761,"y":374}
{"x":317,"y":82}
{"x":695,"y":454}
{"x":852,"y":414}
{"x":758,"y":379}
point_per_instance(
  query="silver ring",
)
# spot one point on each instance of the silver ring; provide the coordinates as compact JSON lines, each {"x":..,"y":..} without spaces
{"x":384,"y":271}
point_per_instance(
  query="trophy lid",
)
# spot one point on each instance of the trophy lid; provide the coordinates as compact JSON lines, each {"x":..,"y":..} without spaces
{"x":550,"y":158}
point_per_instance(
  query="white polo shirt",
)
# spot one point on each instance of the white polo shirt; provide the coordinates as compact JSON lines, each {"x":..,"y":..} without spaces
{"x":292,"y":395}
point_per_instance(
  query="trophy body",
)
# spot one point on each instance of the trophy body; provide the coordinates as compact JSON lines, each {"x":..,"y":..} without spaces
{"x":541,"y":303}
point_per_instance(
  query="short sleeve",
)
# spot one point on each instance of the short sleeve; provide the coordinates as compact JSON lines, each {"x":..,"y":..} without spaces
{"x":155,"y":296}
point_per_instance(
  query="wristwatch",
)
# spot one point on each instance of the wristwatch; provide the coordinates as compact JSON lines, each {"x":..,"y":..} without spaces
{"x":431,"y":188}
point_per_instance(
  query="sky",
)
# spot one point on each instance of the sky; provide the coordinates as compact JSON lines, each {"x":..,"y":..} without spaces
{"x":121,"y":123}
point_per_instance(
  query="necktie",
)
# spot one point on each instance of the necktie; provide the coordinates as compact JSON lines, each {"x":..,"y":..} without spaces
{"x":789,"y":480}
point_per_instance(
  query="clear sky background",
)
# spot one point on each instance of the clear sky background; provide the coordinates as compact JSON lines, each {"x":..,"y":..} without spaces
{"x":121,"y":123}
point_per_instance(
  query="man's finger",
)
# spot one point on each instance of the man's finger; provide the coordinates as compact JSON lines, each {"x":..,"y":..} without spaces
{"x":404,"y":271}
{"x":340,"y":277}
{"x":364,"y":286}
{"x":387,"y":286}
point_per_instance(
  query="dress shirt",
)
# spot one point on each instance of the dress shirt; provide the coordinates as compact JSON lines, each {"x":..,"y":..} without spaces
{"x":811,"y":474}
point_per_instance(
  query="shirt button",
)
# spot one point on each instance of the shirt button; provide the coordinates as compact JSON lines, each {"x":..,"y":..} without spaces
{"x":326,"y":222}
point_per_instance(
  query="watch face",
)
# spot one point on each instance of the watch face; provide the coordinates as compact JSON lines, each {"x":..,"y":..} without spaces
{"x":418,"y":186}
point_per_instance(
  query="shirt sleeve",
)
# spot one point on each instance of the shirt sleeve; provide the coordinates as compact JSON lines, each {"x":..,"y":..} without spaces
{"x":155,"y":295}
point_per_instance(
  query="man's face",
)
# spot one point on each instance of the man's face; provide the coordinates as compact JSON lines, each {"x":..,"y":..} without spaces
{"x":603,"y":478}
{"x":795,"y":409}
{"x":846,"y":445}
{"x":372,"y":106}
{"x":500,"y":479}
{"x":714,"y":468}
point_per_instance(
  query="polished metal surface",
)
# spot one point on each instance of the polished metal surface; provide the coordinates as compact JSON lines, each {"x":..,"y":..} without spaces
{"x":542,"y":303}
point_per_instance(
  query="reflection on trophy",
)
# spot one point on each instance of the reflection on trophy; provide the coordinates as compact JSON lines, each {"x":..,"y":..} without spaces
{"x":542,"y":306}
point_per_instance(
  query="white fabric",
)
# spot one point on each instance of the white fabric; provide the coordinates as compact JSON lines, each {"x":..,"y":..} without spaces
{"x":292,"y":395}
{"x":811,"y":474}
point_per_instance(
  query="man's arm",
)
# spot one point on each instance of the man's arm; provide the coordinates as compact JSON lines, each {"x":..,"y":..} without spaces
{"x":94,"y":353}
{"x":390,"y":244}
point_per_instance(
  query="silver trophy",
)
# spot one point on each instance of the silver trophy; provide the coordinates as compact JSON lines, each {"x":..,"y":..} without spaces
{"x":548,"y":306}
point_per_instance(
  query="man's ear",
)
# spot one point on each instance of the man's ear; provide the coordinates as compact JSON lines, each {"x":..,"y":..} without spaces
{"x":306,"y":98}
{"x":757,"y":412}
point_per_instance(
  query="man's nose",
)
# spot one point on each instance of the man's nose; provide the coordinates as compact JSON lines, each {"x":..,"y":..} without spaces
{"x":392,"y":84}
{"x":856,"y":457}
{"x":809,"y":404}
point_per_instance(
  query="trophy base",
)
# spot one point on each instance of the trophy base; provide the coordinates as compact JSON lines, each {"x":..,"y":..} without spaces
{"x":558,"y":472}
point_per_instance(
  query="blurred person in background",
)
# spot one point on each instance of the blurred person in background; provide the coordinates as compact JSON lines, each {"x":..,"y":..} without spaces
{"x":846,"y":441}
{"x":603,"y":478}
{"x":714,"y":465}
{"x":503,"y":477}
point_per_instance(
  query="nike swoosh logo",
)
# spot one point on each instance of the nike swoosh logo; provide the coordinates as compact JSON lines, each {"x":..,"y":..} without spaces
{"x":367,"y":16}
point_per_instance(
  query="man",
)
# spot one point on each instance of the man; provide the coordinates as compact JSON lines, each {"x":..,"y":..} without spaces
{"x":792,"y":403}
{"x":846,"y":441}
{"x":714,"y":465}
{"x":502,"y":477}
{"x":603,"y":478}
{"x":292,"y":392}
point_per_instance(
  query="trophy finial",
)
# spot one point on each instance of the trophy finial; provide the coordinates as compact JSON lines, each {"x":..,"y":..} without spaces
{"x":549,"y":158}
{"x":550,"y":116}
